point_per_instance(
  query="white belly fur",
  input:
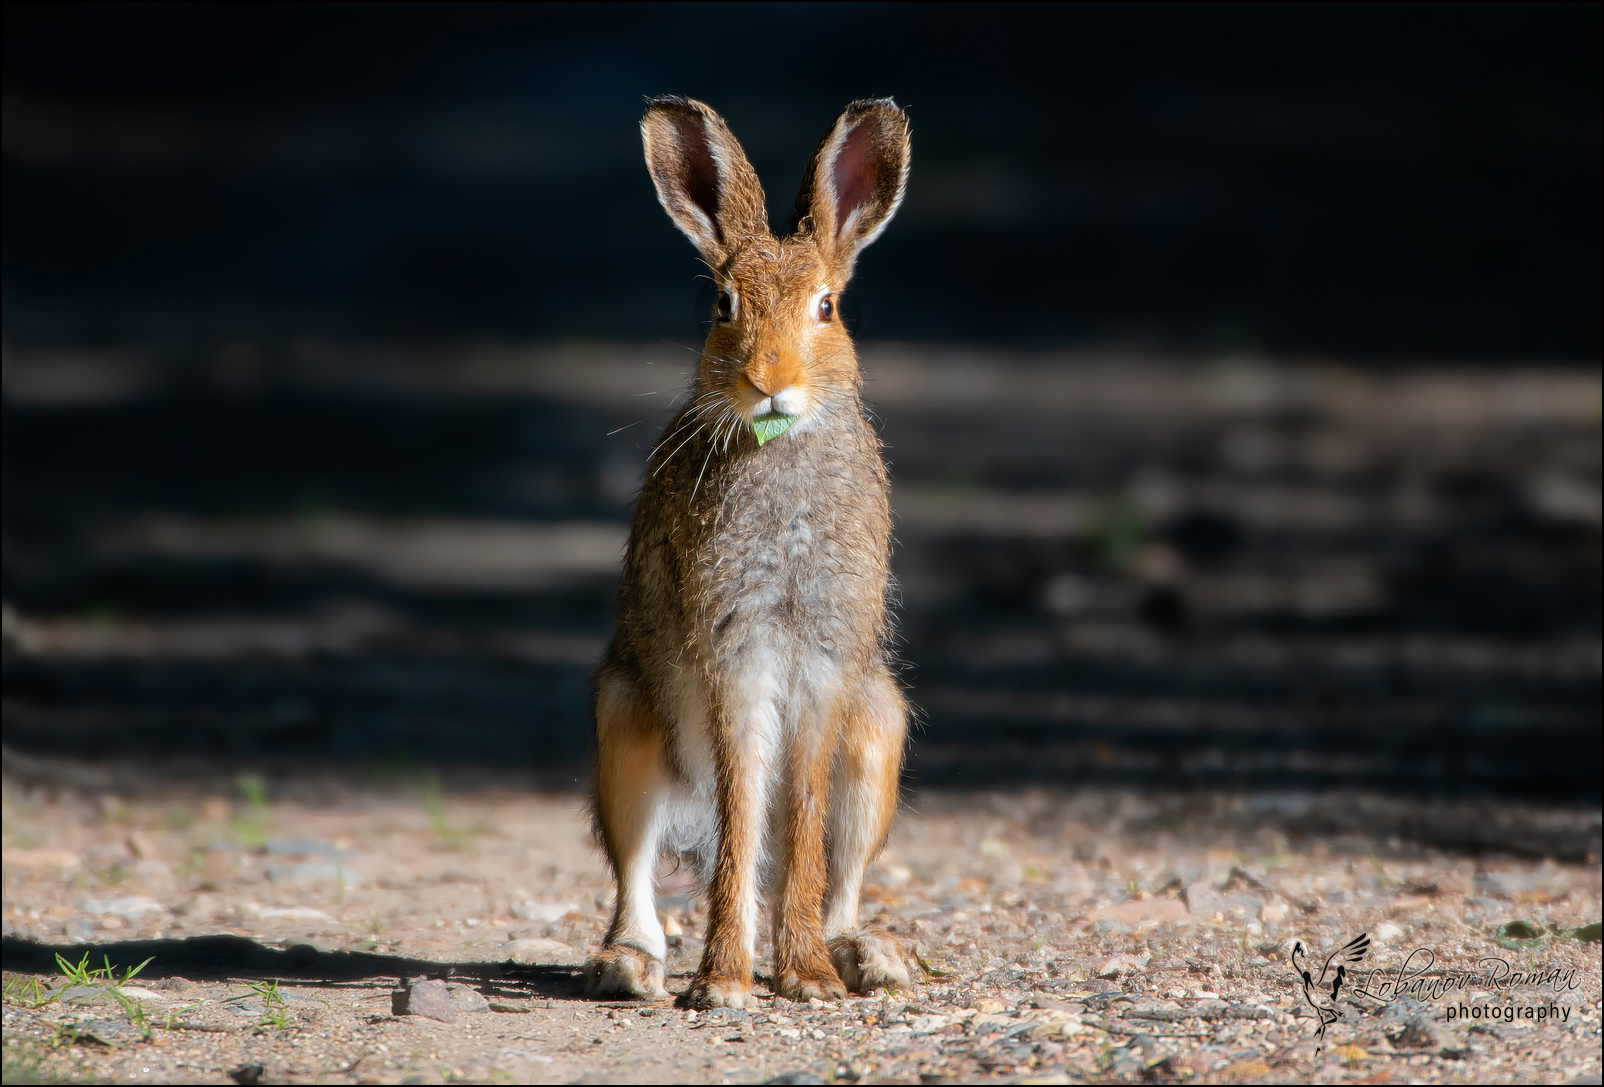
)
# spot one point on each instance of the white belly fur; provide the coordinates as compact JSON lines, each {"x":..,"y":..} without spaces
{"x":776,"y":687}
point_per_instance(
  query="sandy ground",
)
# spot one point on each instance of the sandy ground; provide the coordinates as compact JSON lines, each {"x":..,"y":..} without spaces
{"x":1104,"y":936}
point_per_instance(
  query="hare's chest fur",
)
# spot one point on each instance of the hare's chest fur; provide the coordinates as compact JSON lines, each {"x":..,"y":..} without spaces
{"x":782,"y":602}
{"x":791,"y":576}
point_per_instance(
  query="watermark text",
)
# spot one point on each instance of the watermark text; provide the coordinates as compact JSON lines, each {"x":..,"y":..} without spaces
{"x":1413,"y":977}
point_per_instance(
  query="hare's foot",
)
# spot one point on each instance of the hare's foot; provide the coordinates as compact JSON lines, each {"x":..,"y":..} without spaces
{"x":804,"y":985}
{"x":624,"y":971}
{"x":718,"y":992}
{"x":870,"y":960}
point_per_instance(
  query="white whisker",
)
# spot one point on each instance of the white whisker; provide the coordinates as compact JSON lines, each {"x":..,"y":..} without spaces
{"x":678,"y":447}
{"x":684,"y":422}
{"x":681,"y":346}
{"x":705,"y":462}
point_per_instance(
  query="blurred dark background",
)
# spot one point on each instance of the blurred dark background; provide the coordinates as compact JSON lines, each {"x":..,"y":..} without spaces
{"x":1418,"y":181}
{"x":1237,"y":365}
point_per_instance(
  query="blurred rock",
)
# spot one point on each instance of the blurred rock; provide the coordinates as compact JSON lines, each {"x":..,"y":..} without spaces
{"x":540,"y":911}
{"x":1122,"y":966}
{"x":1129,"y":1064}
{"x":1415,"y":1032}
{"x":1564,"y":499}
{"x":313,"y":872}
{"x":427,"y":997}
{"x":1385,"y":933}
{"x":139,"y":992}
{"x":1522,"y":886}
{"x":306,"y":847}
{"x":128,"y":909}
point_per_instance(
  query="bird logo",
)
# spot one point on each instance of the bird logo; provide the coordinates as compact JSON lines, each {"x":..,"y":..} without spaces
{"x":1332,"y":974}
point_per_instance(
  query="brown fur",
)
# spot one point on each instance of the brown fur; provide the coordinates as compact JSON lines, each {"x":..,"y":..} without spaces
{"x":737,"y":549}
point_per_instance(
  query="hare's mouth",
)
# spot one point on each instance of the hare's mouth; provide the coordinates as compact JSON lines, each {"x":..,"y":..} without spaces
{"x":772,"y":414}
{"x":791,"y":400}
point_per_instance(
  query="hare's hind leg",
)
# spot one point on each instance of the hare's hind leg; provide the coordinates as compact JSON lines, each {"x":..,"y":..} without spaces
{"x":632,"y":786}
{"x":863,"y":799}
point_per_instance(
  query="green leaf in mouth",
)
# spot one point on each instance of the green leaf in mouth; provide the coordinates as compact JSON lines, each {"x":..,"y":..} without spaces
{"x":769,"y":426}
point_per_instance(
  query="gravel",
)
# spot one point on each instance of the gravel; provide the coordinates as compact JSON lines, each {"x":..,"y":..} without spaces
{"x":1063,"y":945}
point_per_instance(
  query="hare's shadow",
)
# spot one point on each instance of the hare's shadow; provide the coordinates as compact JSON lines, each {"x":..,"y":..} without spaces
{"x":201,"y":958}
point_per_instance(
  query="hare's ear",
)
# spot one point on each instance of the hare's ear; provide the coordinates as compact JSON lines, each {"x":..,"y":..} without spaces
{"x":703,"y":179}
{"x":855,"y":180}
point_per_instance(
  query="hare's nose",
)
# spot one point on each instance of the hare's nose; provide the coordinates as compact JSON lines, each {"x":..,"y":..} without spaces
{"x":771,"y":371}
{"x":765,"y":376}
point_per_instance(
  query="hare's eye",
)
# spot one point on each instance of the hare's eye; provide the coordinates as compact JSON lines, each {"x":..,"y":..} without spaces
{"x":725,"y":310}
{"x":826,"y":308}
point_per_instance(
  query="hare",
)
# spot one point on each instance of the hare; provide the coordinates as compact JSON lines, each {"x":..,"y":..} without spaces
{"x":746,"y":712}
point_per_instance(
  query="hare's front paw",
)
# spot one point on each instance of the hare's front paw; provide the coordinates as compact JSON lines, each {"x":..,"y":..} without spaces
{"x":623,"y":971}
{"x":822,"y":985}
{"x":870,"y":960}
{"x":716,"y":992}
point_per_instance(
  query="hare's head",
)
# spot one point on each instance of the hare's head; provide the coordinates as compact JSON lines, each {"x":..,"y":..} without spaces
{"x":777,"y":354}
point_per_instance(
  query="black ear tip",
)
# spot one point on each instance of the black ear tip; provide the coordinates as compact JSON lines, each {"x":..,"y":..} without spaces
{"x":676,"y":104}
{"x":874,"y":105}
